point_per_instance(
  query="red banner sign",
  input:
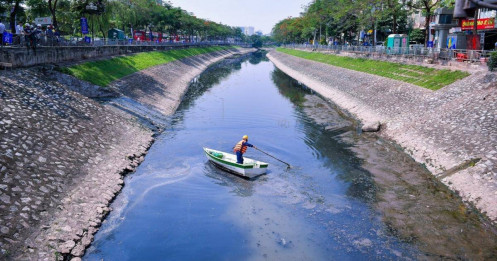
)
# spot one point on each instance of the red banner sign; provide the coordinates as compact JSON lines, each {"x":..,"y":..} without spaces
{"x":487,"y":23}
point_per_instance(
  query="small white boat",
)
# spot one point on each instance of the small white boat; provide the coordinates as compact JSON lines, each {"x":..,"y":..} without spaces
{"x":226,"y":161}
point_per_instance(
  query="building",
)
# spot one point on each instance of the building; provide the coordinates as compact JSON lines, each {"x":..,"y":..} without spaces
{"x":461,"y":35}
{"x":442,"y":23}
{"x":417,"y":20}
{"x":247,"y":30}
{"x":451,"y":28}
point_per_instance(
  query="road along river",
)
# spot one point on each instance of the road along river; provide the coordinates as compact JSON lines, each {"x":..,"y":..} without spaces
{"x":349,"y":195}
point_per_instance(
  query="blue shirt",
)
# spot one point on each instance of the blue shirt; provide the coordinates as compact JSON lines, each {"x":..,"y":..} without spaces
{"x":247,"y":144}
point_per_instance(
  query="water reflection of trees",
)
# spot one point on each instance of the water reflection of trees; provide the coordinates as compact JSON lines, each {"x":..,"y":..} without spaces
{"x":336,"y":154}
{"x":258,"y":57}
{"x":215,"y":74}
{"x":289,"y":87}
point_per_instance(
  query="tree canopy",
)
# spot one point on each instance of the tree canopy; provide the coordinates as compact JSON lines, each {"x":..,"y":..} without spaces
{"x":342,"y":20}
{"x":122,"y":14}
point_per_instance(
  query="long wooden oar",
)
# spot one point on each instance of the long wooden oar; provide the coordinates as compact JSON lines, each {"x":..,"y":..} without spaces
{"x":289,"y":166}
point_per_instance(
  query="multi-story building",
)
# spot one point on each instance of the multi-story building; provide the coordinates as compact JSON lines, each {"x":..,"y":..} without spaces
{"x":418,"y":20}
{"x":448,"y":31}
{"x":486,"y":36}
{"x":247,"y":30}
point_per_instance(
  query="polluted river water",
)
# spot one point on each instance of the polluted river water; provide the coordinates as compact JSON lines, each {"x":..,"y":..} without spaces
{"x":348,"y":196}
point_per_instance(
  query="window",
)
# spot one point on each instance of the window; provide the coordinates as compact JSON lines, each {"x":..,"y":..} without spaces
{"x":445,"y":19}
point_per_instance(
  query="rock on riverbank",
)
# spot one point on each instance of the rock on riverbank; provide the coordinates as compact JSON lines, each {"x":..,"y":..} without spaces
{"x":447,"y":130}
{"x":63,"y":156}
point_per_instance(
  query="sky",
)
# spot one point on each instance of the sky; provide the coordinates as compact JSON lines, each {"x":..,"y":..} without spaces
{"x":261,"y":14}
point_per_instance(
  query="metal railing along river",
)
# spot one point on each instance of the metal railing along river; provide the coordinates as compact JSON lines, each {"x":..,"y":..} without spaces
{"x":48,"y":41}
{"x":415,"y":51}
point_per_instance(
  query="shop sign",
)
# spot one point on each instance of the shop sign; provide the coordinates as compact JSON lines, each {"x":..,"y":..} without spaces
{"x":487,"y":23}
{"x":43,"y":20}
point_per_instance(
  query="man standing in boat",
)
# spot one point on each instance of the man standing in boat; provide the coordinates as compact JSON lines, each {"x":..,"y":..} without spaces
{"x":241,"y":147}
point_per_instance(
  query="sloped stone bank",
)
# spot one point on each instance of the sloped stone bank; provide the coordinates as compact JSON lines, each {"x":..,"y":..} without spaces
{"x":63,"y":156}
{"x":453,"y":131}
{"x":61,"y":162}
{"x":157,"y":86}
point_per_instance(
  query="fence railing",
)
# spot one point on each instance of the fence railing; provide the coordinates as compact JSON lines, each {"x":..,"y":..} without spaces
{"x":45,"y":40}
{"x":461,"y":55}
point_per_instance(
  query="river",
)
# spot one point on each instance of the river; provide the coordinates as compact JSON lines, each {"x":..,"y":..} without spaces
{"x":348,"y":196}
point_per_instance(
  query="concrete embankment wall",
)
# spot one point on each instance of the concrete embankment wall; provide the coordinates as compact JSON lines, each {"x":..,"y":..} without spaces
{"x":162,"y":87}
{"x":452,"y":131}
{"x":64,"y":156}
{"x":22,"y":57}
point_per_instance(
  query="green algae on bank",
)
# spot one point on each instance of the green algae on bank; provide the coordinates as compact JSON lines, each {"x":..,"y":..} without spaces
{"x":103,"y":72}
{"x":425,"y":77}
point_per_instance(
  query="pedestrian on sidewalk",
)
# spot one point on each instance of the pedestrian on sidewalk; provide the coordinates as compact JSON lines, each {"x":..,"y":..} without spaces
{"x":29,"y":37}
{"x":19,"y":33}
{"x":49,"y":35}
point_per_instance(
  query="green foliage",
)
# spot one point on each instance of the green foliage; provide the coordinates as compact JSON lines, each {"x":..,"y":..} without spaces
{"x":417,"y":35}
{"x":137,"y":14}
{"x":104,"y":72}
{"x":256,"y":41}
{"x":38,"y":8}
{"x":418,"y":75}
{"x":342,"y":20}
{"x":64,"y":70}
{"x":492,"y":61}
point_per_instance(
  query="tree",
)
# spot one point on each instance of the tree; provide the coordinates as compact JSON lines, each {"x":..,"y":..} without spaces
{"x":13,"y":8}
{"x":427,"y":7}
{"x":52,"y":6}
{"x":37,"y":8}
{"x":139,"y":14}
{"x":394,"y":10}
{"x":417,"y":35}
{"x":256,"y":41}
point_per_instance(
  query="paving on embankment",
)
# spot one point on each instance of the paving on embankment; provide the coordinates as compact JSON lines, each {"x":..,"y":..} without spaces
{"x":427,"y":62}
{"x":61,"y":153}
{"x":157,"y":83}
{"x":103,"y":72}
{"x":429,"y":78}
{"x":63,"y":156}
{"x":452,"y":131}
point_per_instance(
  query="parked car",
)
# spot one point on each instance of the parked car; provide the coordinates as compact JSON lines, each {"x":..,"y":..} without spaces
{"x":380,"y":43}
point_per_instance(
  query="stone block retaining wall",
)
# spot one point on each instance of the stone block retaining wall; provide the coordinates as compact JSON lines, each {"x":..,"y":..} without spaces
{"x":21,"y":57}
